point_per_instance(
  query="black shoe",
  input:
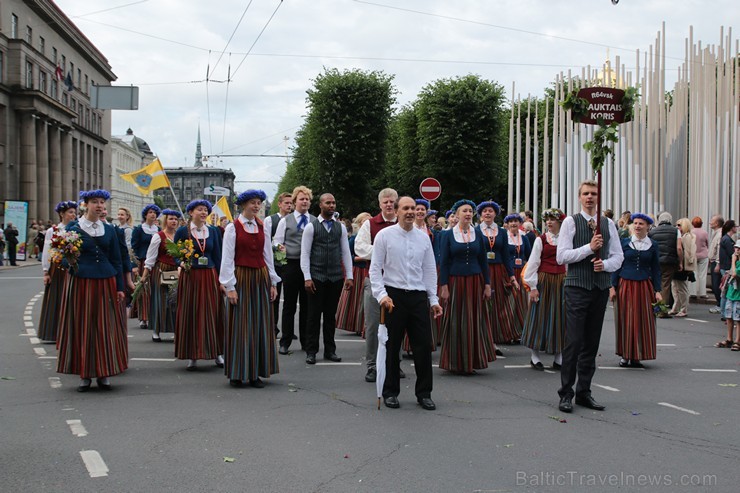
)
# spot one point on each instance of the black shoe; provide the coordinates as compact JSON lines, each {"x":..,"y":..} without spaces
{"x":589,"y":402}
{"x":636,"y":364}
{"x":295,"y":337}
{"x":104,"y":384}
{"x":427,"y":403}
{"x":537,"y":366}
{"x":311,"y":359}
{"x":283,"y":350}
{"x":84,"y":385}
{"x":498,"y":352}
{"x":257,"y":384}
{"x":144,"y":325}
{"x":332,"y":357}
{"x":401,"y":374}
{"x":566,"y":404}
{"x":371,"y":375}
{"x":556,"y":366}
{"x":623,"y":363}
{"x":236,"y":383}
{"x":156,"y":338}
{"x":392,"y":402}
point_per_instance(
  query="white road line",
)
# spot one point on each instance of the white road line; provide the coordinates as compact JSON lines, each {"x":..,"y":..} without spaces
{"x":500,"y":357}
{"x":433,"y":365}
{"x":55,"y":382}
{"x":341,"y":363}
{"x":27,"y":317}
{"x":47,"y":357}
{"x":547,"y":371}
{"x":75,"y":425}
{"x":153,"y":359}
{"x":696,"y":320}
{"x":28,"y":324}
{"x":717,"y":370}
{"x":39,"y":351}
{"x":619,"y":368}
{"x":94,"y":463}
{"x":28,"y":312}
{"x":517,"y":366}
{"x":666,"y":345}
{"x":31,"y":332}
{"x":677,"y":408}
{"x":34,"y":340}
{"x":606,"y":387}
{"x":350,"y":340}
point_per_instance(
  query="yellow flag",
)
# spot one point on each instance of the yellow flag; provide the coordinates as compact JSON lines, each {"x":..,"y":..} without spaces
{"x":150,"y":177}
{"x":220,"y":209}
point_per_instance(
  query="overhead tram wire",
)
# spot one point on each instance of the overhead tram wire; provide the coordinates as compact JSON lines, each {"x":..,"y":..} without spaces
{"x":226,"y":105}
{"x":208,"y":103}
{"x":236,"y":28}
{"x":258,"y":37}
{"x":108,"y":9}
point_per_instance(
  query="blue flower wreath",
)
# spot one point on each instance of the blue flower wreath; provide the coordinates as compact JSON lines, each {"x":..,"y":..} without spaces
{"x":65,"y":205}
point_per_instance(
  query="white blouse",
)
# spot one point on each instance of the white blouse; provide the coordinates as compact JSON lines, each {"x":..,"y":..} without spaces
{"x":640,"y":244}
{"x":45,"y":262}
{"x":227,"y":277}
{"x":151,"y":230}
{"x":94,"y":229}
{"x":535,"y":259}
{"x":153,"y":251}
{"x":457,"y":233}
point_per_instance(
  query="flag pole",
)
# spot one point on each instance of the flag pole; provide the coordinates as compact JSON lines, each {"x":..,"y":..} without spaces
{"x":176,"y":201}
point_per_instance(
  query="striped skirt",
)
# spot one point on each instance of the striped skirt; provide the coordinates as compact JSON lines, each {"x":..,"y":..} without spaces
{"x":250,"y":350}
{"x":502,"y":309}
{"x":350,"y":315}
{"x":544,"y":327}
{"x":199,"y":323}
{"x":521,"y":304}
{"x":467,"y":344}
{"x":437,"y":322}
{"x":92,"y":340}
{"x":143,"y":302}
{"x":54,"y":298}
{"x":161,"y":313}
{"x":634,"y":320}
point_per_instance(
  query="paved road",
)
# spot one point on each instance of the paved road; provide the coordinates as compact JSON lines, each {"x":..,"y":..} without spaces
{"x":315,"y":429}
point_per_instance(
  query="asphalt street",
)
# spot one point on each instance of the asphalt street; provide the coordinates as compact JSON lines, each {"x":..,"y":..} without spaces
{"x":670,"y":427}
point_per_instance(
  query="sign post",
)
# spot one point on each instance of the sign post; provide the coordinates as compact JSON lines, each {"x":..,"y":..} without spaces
{"x":430,"y":189}
{"x":218,"y":191}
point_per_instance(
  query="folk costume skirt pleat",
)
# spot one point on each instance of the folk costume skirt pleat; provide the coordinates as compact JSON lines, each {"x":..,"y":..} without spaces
{"x":544,"y":327}
{"x":250,"y":350}
{"x":92,"y":340}
{"x":521,"y":305}
{"x":634,"y":320}
{"x":505,"y":325}
{"x":199,"y":324}
{"x":350,"y":314}
{"x":467,"y":344}
{"x":161,"y":312}
{"x":143,"y":302}
{"x":54,"y":298}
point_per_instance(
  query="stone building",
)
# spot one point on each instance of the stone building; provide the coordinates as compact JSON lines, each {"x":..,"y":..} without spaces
{"x":129,"y":153}
{"x":52,"y":143}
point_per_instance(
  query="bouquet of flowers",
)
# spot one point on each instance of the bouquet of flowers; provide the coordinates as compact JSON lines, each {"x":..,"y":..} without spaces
{"x":659,"y":308}
{"x":65,"y":246}
{"x":278,"y":252}
{"x":182,"y":250}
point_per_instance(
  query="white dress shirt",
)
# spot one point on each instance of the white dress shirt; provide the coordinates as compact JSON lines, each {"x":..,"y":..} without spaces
{"x":279,"y":237}
{"x":151,"y":230}
{"x":535,"y":258}
{"x":640,"y":244}
{"x":403,"y":260}
{"x":227,"y":277}
{"x":268,"y":224}
{"x":307,"y":243}
{"x":363,"y":241}
{"x":45,"y":262}
{"x":569,"y":255}
{"x":94,"y":229}
{"x":153,"y":251}
{"x":199,"y":233}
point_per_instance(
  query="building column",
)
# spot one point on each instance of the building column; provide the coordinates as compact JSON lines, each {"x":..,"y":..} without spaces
{"x":55,"y":167}
{"x":66,"y":148}
{"x":42,"y":171}
{"x":28,"y":164}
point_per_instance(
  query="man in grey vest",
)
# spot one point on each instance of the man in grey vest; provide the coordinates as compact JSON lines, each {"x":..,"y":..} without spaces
{"x":667,"y":236}
{"x":285,"y":207}
{"x":327,"y":267}
{"x":288,"y":234}
{"x":590,"y":255}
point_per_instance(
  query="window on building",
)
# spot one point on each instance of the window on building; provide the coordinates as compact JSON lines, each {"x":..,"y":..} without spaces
{"x":87,"y":118}
{"x":2,"y":66}
{"x":29,"y":35}
{"x":42,"y":81}
{"x":74,"y":104}
{"x":54,"y":54}
{"x":42,"y":45}
{"x":54,"y":89}
{"x":79,"y":78}
{"x":72,"y":69}
{"x":87,"y":86}
{"x":65,"y":99}
{"x":64,"y":63}
{"x":13,"y":26}
{"x":29,"y":75}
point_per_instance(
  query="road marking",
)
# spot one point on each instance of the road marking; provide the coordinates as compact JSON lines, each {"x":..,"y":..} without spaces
{"x":28,"y":324}
{"x":55,"y":382}
{"x":606,"y":387}
{"x":129,"y":336}
{"x":696,"y":320}
{"x":517,"y":366}
{"x":341,"y":363}
{"x":27,"y":317}
{"x":4,"y":278}
{"x":39,"y":351}
{"x":717,"y":370}
{"x":94,"y":463}
{"x":500,"y":357}
{"x":153,"y":359}
{"x":549,"y":371}
{"x":677,"y":408}
{"x":31,"y":332}
{"x":350,"y":340}
{"x":28,"y":312}
{"x":47,"y":357}
{"x":618,"y":368}
{"x":34,"y":340}
{"x":75,"y":425}
{"x":666,"y":345}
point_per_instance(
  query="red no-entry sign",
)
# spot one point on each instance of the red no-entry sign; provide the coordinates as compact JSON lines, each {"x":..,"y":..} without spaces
{"x":430,"y":189}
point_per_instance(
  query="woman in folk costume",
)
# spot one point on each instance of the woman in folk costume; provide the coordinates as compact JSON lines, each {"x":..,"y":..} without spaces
{"x":519,"y":250}
{"x":249,"y":278}
{"x":501,"y":306}
{"x":92,"y":340}
{"x":544,"y":326}
{"x":350,"y":313}
{"x":467,"y":344}
{"x":161,"y":312}
{"x":141,"y":237}
{"x":126,"y":223}
{"x":635,"y":287}
{"x":55,"y":278}
{"x":199,"y":323}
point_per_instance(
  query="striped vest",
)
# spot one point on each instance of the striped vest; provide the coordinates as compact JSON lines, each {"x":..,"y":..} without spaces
{"x":326,"y":253}
{"x":581,"y":274}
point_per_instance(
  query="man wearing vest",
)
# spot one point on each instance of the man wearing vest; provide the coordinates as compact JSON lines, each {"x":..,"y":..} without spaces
{"x":289,"y":234}
{"x":364,"y":249}
{"x":590,"y":256}
{"x":667,"y":236}
{"x":285,"y":207}
{"x":325,"y":258}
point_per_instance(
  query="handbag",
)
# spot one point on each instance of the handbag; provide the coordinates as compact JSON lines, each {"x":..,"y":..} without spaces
{"x":169,"y":277}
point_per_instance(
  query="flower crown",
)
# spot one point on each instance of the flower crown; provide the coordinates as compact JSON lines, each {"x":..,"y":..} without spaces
{"x":65,"y":205}
{"x":553,"y":213}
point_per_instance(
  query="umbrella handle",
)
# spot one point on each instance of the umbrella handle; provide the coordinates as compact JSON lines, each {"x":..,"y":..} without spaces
{"x":382,"y":314}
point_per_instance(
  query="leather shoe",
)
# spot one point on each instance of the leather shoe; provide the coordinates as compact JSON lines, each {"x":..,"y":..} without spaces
{"x":104,"y":384}
{"x":332,"y":357}
{"x":427,"y":404}
{"x":537,"y":366}
{"x":84,"y":385}
{"x":392,"y":402}
{"x":257,"y":383}
{"x":283,"y":350}
{"x":311,"y":359}
{"x":589,"y":402}
{"x":236,"y":383}
{"x":499,"y":352}
{"x":401,"y":374}
{"x":371,"y":375}
{"x":566,"y":404}
{"x":556,"y":366}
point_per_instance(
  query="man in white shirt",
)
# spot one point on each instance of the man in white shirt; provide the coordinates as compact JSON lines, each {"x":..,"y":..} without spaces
{"x":404,"y":282}
{"x":285,"y":207}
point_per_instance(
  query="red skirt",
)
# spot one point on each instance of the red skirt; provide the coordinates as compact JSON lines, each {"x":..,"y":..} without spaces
{"x":350,"y":314}
{"x":92,"y":340}
{"x":161,"y":312}
{"x":634,"y":320}
{"x":505,"y":325}
{"x":141,"y":306}
{"x":55,"y":296}
{"x":199,"y":324}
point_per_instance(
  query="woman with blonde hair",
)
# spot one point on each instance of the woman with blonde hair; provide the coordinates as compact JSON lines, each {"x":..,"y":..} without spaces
{"x":126,"y":223}
{"x":686,"y":269}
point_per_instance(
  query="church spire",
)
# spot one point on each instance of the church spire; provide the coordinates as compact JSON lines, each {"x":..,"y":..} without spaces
{"x":198,"y":153}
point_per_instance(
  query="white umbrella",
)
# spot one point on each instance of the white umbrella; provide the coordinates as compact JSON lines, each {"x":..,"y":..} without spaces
{"x":381,"y":355}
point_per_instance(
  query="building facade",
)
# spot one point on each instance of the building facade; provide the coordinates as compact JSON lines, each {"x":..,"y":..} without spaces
{"x":52,"y":142}
{"x":188,"y":184}
{"x":129,"y":153}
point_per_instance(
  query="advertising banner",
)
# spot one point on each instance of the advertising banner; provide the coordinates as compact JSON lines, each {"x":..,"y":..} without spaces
{"x":17,"y":213}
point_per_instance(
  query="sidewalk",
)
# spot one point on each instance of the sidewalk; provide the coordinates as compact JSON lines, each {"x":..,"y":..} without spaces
{"x":21,"y":264}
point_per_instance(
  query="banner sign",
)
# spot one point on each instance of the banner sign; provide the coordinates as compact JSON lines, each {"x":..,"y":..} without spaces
{"x":16,"y":212}
{"x":604,"y":103}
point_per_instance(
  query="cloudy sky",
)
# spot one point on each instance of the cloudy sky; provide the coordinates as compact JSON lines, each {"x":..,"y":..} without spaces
{"x":167,"y":48}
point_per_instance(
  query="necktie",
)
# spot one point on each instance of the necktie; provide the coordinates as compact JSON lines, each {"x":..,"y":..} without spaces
{"x":302,"y":223}
{"x":329,"y":224}
{"x":592,"y":224}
